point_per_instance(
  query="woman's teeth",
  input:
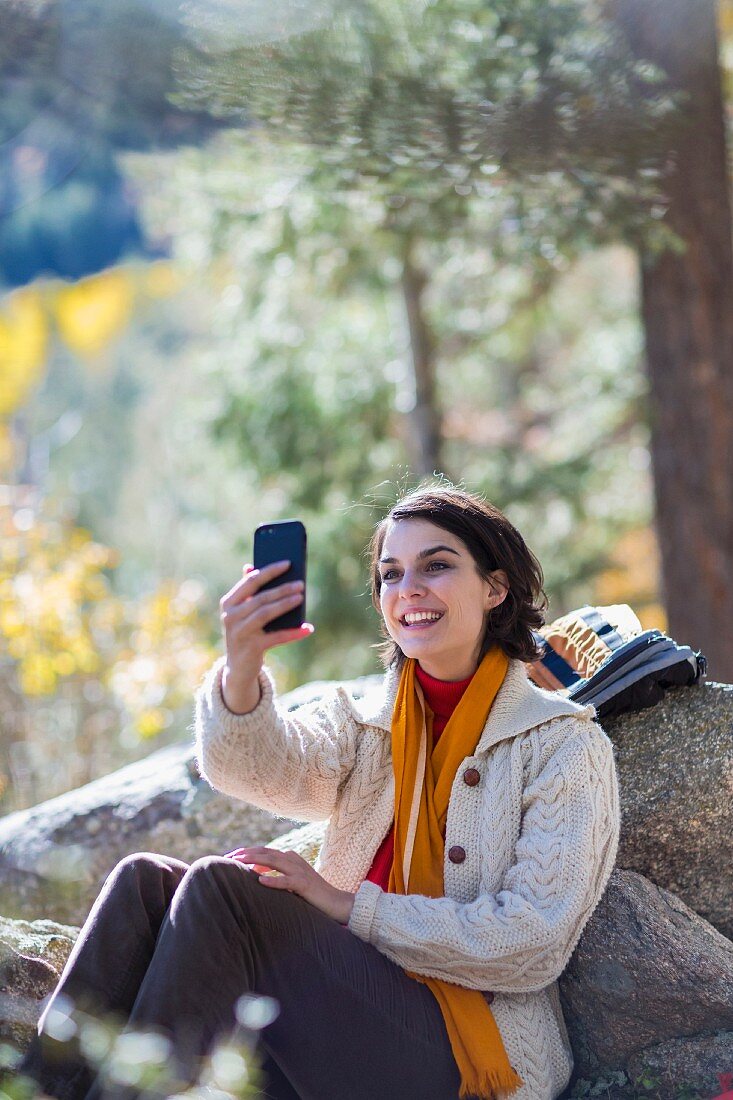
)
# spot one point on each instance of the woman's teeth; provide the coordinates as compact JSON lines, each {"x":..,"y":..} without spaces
{"x":421,"y":617}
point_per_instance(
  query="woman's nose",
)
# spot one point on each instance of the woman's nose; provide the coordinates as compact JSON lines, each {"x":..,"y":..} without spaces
{"x":411,"y":585}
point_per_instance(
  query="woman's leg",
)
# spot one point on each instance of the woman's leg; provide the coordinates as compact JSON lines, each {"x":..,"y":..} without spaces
{"x":107,"y":964}
{"x":178,"y":958}
{"x":351,"y":1023}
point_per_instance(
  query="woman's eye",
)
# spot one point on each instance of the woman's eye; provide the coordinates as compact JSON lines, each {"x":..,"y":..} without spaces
{"x":432,"y":567}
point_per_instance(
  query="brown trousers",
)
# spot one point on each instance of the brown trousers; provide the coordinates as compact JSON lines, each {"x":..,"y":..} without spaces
{"x":173,"y":947}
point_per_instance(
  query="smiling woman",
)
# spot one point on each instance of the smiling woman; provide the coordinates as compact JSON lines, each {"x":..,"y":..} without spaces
{"x":465,"y":550}
{"x":433,"y":600}
{"x":473,"y":823}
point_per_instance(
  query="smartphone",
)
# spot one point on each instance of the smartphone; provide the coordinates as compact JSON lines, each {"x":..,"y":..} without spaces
{"x":280,"y":541}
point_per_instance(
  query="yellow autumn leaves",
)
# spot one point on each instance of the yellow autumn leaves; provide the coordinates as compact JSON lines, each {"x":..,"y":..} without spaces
{"x":50,"y":584}
{"x":90,"y":313}
{"x":87,"y":316}
{"x":163,"y":656}
{"x":83,"y":671}
{"x":61,"y":622}
{"x":23,"y":341}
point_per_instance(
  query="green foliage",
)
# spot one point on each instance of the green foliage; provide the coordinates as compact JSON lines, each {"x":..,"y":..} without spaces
{"x":434,"y":104}
{"x":493,"y":143}
{"x":600,"y":1086}
{"x":617,"y":1085}
{"x":308,"y":373}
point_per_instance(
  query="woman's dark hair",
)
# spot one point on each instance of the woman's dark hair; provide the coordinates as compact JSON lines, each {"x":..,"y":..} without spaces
{"x":494,"y":543}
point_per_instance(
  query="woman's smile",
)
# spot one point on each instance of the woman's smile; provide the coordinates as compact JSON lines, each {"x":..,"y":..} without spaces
{"x":417,"y":619}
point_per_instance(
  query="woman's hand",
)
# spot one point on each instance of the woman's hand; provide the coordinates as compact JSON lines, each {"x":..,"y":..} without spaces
{"x":297,"y":876}
{"x":244,"y":613}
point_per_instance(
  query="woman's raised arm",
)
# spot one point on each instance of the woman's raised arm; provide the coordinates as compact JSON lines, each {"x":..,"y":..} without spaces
{"x":289,"y":763}
{"x":244,"y":612}
{"x":245,"y":747}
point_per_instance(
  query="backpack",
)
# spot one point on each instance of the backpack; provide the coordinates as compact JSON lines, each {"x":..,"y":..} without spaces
{"x":601,"y":655}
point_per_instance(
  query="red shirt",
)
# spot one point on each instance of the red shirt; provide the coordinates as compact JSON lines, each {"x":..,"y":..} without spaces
{"x":442,"y":697}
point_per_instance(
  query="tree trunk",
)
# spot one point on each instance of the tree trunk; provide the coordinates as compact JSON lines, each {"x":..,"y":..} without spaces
{"x":424,"y":417}
{"x":687,"y":306}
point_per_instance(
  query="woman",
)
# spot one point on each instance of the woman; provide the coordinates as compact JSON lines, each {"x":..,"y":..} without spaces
{"x":473,"y":823}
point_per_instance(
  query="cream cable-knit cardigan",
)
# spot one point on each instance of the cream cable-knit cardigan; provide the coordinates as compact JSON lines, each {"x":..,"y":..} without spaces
{"x":540,"y":831}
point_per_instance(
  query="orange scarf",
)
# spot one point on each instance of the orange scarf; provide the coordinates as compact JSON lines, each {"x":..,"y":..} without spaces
{"x":423,"y":781}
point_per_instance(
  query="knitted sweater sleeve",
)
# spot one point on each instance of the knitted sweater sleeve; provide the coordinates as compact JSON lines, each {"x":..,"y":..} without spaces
{"x":289,"y":763}
{"x":520,"y":938}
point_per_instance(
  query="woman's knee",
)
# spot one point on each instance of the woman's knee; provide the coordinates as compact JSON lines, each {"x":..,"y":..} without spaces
{"x":220,"y":869}
{"x":222,"y":879}
{"x":142,"y":870}
{"x":133,"y":867}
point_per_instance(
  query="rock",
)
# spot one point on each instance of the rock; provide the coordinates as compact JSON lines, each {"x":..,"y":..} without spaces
{"x":306,"y":840}
{"x":698,"y":1062}
{"x":647,"y":971}
{"x":647,"y":996}
{"x":673,"y":756}
{"x":32,"y":956}
{"x":55,"y":856}
{"x":648,"y":992}
{"x":675,"y":768}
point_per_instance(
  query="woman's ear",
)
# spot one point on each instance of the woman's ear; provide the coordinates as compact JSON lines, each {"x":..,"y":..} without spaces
{"x":499,"y":587}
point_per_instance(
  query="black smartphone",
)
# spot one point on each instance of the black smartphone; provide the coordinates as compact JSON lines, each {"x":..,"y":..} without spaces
{"x":280,"y":541}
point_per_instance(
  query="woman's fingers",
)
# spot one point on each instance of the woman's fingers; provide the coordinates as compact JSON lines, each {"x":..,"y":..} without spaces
{"x":259,"y":599}
{"x":245,"y":612}
{"x":296,"y":634}
{"x":251,"y":582}
{"x":260,"y":869}
{"x":273,"y":858}
{"x":256,"y":615}
{"x":254,"y":579}
{"x":257,"y":611}
{"x":240,"y":855}
{"x":289,"y":871}
{"x":278,"y":881}
{"x":271,"y":862}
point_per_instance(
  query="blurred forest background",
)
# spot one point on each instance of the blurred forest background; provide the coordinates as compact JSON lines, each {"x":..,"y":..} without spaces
{"x":267,"y":260}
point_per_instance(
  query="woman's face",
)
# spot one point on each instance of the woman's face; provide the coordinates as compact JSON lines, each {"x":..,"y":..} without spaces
{"x":433,"y":599}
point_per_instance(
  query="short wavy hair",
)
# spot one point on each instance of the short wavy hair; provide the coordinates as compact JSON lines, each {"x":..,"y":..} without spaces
{"x":494,"y":543}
